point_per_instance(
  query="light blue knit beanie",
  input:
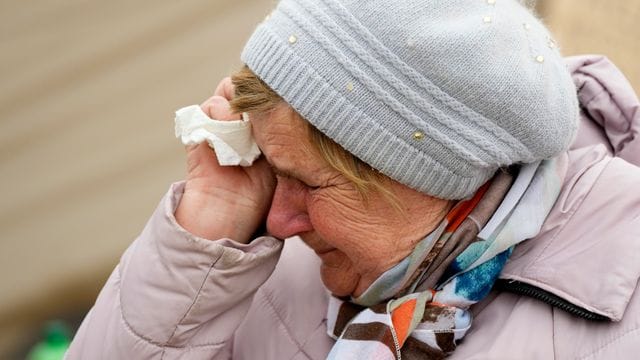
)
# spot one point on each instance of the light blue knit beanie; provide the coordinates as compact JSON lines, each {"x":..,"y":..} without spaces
{"x":436,"y":94}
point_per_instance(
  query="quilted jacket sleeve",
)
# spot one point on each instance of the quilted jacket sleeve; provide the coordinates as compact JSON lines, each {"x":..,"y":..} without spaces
{"x":174,"y":295}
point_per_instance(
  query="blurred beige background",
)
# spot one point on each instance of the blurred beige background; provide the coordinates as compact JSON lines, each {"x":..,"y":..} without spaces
{"x":87,"y":97}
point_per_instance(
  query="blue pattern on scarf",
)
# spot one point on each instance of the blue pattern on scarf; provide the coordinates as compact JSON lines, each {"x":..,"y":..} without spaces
{"x":476,"y":283}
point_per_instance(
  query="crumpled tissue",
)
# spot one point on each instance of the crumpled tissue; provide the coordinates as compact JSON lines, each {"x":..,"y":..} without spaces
{"x":231,"y":140}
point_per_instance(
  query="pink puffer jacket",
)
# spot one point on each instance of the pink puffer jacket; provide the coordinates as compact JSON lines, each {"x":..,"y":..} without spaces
{"x":175,"y":296}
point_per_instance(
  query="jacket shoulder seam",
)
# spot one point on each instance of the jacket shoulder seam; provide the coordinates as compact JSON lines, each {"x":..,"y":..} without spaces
{"x":609,"y":343}
{"x":131,"y":331}
{"x":269,"y":302}
{"x":196,"y":298}
{"x":570,"y":216}
{"x":322,"y":323}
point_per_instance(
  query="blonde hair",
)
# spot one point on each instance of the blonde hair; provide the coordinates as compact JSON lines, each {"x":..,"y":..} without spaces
{"x":254,"y":95}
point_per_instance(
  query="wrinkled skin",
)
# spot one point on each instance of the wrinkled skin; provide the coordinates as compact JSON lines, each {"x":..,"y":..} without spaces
{"x":357,"y":240}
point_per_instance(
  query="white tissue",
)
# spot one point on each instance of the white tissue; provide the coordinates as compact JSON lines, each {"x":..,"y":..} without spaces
{"x":231,"y":140}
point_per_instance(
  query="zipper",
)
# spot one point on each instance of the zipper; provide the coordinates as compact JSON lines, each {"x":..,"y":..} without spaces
{"x":521,"y":288}
{"x":396,"y":343}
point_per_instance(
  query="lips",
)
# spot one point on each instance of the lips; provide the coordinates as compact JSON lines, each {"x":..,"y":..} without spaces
{"x":318,"y":246}
{"x":321,"y":252}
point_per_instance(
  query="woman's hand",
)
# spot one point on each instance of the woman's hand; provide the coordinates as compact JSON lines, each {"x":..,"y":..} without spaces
{"x":223,"y":201}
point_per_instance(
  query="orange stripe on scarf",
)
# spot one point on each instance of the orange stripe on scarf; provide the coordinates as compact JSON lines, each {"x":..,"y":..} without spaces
{"x":460,"y":212}
{"x":401,"y":319}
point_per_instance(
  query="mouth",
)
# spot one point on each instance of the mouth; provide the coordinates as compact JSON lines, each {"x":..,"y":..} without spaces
{"x":324,"y":251}
{"x":317,"y":245}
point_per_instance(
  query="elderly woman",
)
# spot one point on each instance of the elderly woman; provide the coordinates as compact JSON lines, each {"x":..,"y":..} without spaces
{"x":408,"y":147}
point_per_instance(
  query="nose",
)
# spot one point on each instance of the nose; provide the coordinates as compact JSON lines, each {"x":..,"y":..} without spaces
{"x":288,"y":213}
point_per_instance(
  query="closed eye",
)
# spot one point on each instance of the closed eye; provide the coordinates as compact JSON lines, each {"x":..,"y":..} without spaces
{"x":287,"y":175}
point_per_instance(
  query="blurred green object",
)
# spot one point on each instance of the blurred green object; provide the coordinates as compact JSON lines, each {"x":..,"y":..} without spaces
{"x":56,"y":341}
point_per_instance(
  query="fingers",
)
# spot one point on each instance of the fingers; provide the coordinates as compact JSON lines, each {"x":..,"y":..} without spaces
{"x":225,"y":89}
{"x":217,"y":107}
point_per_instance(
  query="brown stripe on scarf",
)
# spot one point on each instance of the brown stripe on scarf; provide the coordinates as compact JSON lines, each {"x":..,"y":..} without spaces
{"x":424,"y":266}
{"x":446,"y":341}
{"x":349,"y":310}
{"x":415,"y":349}
{"x":379,"y":309}
{"x":468,"y":231}
{"x":346,"y":312}
{"x":374,"y":331}
{"x":458,"y":241}
{"x":434,"y":312}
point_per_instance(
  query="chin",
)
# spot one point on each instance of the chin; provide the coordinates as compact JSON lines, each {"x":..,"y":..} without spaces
{"x":339,"y":282}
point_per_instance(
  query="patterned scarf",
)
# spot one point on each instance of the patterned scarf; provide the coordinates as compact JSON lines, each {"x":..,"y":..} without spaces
{"x":418,"y":308}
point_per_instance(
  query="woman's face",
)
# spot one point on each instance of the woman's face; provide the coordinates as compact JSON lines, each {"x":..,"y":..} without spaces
{"x":356,"y":240}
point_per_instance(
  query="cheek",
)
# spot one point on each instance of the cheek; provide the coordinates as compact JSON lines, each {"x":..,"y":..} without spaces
{"x":329,"y":220}
{"x":342,"y":227}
